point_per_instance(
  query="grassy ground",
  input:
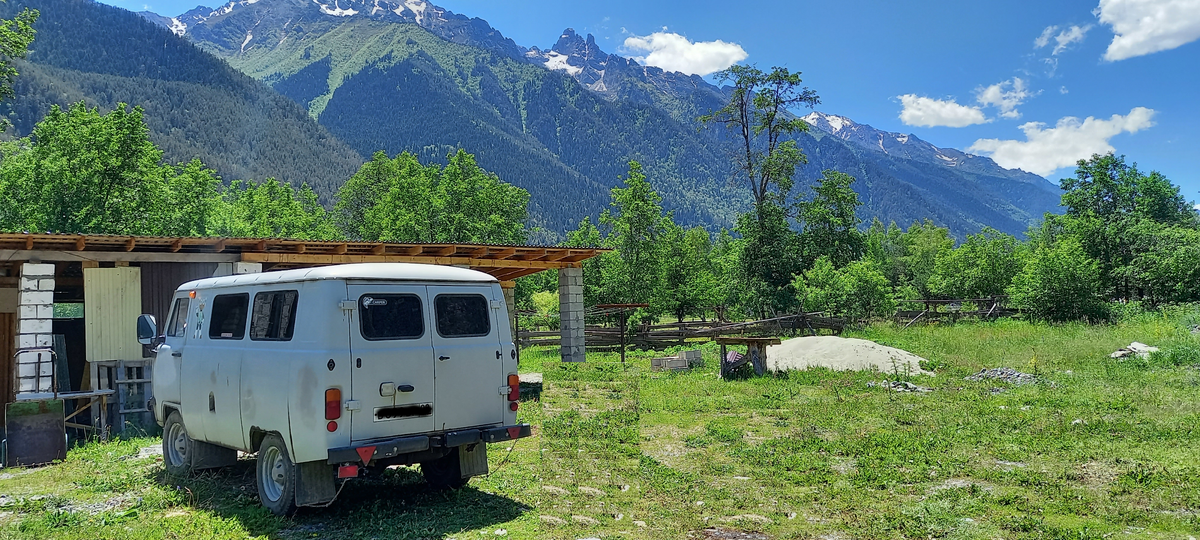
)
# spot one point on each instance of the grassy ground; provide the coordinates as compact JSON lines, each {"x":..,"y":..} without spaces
{"x":1101,"y":448}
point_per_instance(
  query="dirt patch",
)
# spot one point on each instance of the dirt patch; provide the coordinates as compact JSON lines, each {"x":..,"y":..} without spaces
{"x":1097,"y":474}
{"x":721,"y":533}
{"x":842,"y":354}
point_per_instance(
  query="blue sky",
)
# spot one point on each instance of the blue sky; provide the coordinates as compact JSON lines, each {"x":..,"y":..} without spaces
{"x":969,"y":75}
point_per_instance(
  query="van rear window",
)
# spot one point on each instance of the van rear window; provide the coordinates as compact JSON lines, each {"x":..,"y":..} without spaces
{"x":462,"y":315}
{"x":229,"y":316}
{"x":391,"y":316}
{"x":274,"y":316}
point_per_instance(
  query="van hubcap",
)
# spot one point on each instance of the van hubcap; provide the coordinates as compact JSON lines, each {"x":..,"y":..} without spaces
{"x":274,"y":474}
{"x":178,"y":447}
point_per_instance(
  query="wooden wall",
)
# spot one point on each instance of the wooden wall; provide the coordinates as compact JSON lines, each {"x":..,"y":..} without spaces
{"x":8,"y":345}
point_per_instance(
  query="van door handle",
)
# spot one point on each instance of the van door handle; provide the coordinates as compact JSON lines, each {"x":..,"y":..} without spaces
{"x":177,"y":354}
{"x":406,"y":388}
{"x":443,"y":358}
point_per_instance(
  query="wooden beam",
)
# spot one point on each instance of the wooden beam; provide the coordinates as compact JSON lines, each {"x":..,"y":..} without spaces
{"x":121,"y":264}
{"x":130,"y":244}
{"x":313,"y":259}
{"x":379,"y":249}
{"x":300,"y":248}
{"x":508,"y":284}
{"x":90,"y":264}
{"x":555,"y":256}
{"x":340,"y":249}
{"x":219,"y":246}
{"x":110,"y":256}
{"x":414,"y":250}
{"x":28,"y":242}
{"x":176,"y":245}
{"x":260,"y":246}
{"x":503,"y":252}
{"x":447,"y":251}
{"x":80,"y":243}
{"x":531,"y":254}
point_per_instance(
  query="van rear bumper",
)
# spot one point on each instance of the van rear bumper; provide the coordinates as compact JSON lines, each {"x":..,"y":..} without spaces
{"x":389,"y":448}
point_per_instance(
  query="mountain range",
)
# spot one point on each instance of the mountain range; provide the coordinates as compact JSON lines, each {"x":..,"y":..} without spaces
{"x":561,"y":122}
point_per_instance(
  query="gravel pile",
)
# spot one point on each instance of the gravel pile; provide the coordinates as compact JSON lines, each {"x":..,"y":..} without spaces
{"x":1003,"y":374}
{"x":842,"y":354}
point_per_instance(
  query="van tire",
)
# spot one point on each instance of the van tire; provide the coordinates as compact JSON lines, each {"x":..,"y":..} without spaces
{"x":178,"y":447}
{"x":444,"y":473}
{"x":276,"y":474}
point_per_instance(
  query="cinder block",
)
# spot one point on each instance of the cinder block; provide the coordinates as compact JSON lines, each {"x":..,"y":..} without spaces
{"x":247,"y":268}
{"x":27,"y":370}
{"x":45,"y":384}
{"x":36,"y":326}
{"x":30,"y":298}
{"x":27,"y":341}
{"x":46,"y":284}
{"x":44,"y":312}
{"x":28,"y":312}
{"x":32,"y":357}
{"x":44,"y":340}
{"x":29,"y":284}
{"x":37,"y":269}
{"x":27,"y":385}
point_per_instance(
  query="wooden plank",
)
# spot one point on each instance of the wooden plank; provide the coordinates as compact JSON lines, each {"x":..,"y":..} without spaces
{"x":328,"y":258}
{"x":111,"y":256}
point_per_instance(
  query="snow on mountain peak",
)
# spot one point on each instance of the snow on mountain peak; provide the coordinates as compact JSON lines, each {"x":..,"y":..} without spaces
{"x":336,"y":10}
{"x":557,"y":60}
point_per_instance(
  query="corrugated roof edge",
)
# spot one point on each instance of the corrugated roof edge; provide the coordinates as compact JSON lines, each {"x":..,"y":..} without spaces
{"x":357,"y":271}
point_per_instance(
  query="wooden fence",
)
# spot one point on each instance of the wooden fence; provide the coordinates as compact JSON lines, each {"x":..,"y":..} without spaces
{"x":661,"y":336}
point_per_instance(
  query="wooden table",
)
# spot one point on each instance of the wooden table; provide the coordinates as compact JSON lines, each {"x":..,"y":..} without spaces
{"x":756,"y":353}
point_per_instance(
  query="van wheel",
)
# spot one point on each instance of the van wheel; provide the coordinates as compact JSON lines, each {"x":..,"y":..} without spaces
{"x":178,"y":447}
{"x":444,"y":472}
{"x":276,"y":476}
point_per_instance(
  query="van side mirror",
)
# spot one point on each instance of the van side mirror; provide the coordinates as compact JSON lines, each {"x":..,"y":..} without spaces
{"x":147,"y":328}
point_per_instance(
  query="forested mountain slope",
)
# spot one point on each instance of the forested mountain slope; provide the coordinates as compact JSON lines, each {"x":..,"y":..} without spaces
{"x":195,"y":104}
{"x":562,"y":123}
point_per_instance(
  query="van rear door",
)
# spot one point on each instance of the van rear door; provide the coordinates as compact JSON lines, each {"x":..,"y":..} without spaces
{"x":467,"y":345}
{"x":392,"y":362}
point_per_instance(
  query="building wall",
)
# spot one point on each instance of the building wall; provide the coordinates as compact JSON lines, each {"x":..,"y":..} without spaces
{"x":8,"y":344}
{"x":159,"y":281}
{"x":112,"y":301}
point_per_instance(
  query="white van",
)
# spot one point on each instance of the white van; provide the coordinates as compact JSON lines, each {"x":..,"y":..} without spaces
{"x":329,"y":372}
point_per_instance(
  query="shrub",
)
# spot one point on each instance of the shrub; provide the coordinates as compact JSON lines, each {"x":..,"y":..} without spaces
{"x":1059,"y":283}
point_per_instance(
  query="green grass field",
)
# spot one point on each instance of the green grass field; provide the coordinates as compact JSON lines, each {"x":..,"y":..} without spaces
{"x":1101,"y":448}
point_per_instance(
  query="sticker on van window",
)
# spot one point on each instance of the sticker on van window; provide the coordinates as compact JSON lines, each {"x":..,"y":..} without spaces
{"x":367,"y":301}
{"x":199,"y":319}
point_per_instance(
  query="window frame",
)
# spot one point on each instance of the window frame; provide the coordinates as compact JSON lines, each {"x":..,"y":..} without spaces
{"x":291,"y":322}
{"x":362,"y":319}
{"x":487,"y":312}
{"x":181,"y":307}
{"x":212,"y":320}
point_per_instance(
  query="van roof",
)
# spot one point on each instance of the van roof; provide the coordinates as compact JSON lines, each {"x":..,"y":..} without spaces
{"x":358,"y":271}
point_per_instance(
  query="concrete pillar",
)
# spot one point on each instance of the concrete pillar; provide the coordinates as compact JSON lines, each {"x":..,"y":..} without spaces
{"x":35,"y":314}
{"x":510,"y":301}
{"x":570,"y":307}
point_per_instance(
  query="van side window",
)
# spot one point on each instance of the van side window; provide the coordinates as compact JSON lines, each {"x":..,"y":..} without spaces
{"x":229,"y":316}
{"x":391,"y":316}
{"x":274,"y":316}
{"x":462,"y":315}
{"x":177,"y":322}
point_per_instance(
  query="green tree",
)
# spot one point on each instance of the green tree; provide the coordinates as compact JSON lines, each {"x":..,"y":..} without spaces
{"x":1059,"y":283}
{"x":923,"y":243}
{"x":759,"y":114}
{"x":15,"y":36}
{"x":94,"y":173}
{"x":635,"y":222}
{"x":400,"y":200}
{"x":884,"y":246}
{"x":768,"y":258}
{"x":193,"y":200}
{"x":857,"y":291}
{"x":687,"y":285}
{"x":829,"y":220}
{"x":981,"y":267}
{"x":272,"y":209}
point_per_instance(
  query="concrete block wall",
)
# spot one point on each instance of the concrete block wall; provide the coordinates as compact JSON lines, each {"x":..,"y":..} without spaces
{"x":35,"y":313}
{"x":570,"y":306}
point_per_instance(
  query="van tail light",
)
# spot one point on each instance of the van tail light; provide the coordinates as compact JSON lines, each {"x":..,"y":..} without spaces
{"x":333,"y":404}
{"x":514,"y":387}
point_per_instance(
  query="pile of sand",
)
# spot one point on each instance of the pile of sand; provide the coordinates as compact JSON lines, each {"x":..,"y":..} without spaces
{"x":841,"y":354}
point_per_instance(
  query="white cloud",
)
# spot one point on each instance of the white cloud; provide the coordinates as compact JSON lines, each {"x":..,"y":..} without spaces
{"x":1147,"y":26}
{"x":674,"y":52}
{"x":1070,"y":36}
{"x":1197,"y":207}
{"x":1062,"y":90}
{"x":998,"y":95}
{"x":1044,"y":39}
{"x":1046,"y":150}
{"x":929,"y":112}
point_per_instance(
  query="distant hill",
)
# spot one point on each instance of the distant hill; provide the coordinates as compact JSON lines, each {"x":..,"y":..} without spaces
{"x":196,"y":105}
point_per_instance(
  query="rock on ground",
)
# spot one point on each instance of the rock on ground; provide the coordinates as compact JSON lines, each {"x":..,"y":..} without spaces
{"x":842,"y":354}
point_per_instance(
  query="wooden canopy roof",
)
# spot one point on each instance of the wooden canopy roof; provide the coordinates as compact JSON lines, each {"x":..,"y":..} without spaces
{"x":504,"y":262}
